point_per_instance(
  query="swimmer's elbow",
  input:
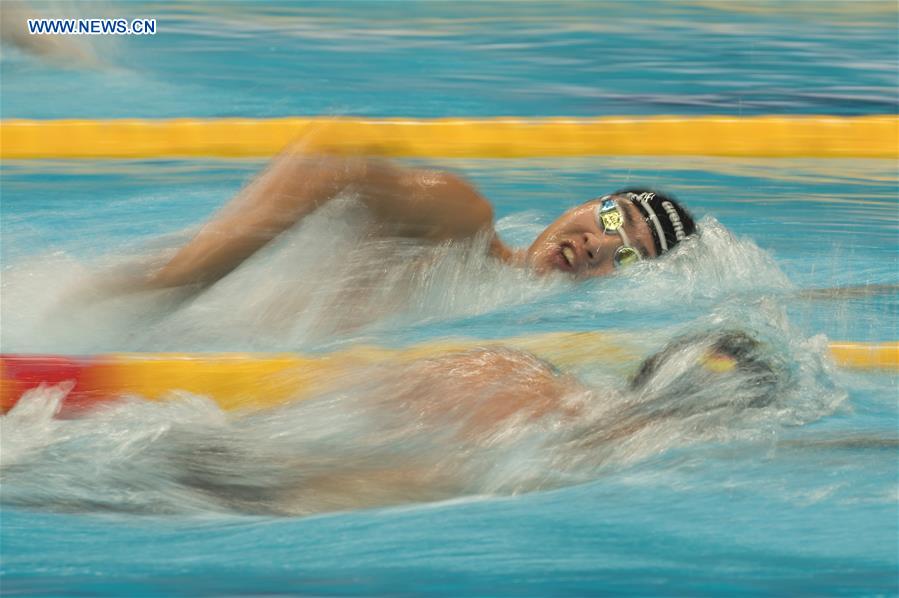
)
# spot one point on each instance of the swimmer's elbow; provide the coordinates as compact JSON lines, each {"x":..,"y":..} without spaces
{"x":471,"y":213}
{"x":482,"y":216}
{"x":480,"y":209}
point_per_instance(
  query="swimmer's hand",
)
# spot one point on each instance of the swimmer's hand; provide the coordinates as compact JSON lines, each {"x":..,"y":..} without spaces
{"x":108,"y":285}
{"x":409,"y":202}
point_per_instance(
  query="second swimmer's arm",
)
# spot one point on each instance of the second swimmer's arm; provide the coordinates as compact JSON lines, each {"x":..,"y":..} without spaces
{"x":428,"y":204}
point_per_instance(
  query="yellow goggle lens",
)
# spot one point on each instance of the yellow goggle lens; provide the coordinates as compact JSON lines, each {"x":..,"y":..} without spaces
{"x":626,"y":256}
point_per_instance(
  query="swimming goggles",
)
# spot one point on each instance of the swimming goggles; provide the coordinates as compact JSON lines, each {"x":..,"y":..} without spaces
{"x":610,"y":218}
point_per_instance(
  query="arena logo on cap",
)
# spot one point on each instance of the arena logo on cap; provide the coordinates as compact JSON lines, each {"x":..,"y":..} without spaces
{"x":675,"y":220}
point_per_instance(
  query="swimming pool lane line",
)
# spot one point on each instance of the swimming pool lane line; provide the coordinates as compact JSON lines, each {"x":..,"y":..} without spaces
{"x":754,"y":136}
{"x":256,"y":380}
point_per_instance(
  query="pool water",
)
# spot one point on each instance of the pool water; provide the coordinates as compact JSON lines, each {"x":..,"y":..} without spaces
{"x":438,"y":59}
{"x":801,"y":497}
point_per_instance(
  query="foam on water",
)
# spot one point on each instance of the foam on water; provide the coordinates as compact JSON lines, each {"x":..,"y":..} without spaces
{"x":329,"y":278}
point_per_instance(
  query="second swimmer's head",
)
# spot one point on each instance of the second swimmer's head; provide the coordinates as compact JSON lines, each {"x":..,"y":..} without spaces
{"x":595,"y":238}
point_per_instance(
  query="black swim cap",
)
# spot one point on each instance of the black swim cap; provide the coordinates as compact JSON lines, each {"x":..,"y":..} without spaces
{"x":668,"y":221}
{"x":721,"y":353}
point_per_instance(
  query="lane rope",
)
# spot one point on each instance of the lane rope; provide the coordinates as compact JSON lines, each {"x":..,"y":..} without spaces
{"x":254,"y":381}
{"x":754,"y":136}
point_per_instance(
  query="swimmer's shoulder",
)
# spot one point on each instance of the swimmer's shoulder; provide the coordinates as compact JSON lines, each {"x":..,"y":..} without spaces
{"x":502,"y":361}
{"x":432,"y":203}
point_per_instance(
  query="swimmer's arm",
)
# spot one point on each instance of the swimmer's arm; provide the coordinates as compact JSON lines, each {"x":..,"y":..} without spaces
{"x":428,"y":204}
{"x":281,"y":196}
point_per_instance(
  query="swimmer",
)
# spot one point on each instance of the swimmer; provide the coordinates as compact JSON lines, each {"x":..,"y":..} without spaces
{"x":431,"y":429}
{"x":592,"y":239}
{"x":690,"y":375}
{"x":456,"y":408}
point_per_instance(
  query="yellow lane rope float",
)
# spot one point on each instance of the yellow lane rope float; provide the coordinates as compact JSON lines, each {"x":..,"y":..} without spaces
{"x":764,"y":136}
{"x":253,"y":381}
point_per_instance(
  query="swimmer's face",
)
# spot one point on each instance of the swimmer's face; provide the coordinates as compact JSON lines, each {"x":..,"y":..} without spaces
{"x":576,"y":243}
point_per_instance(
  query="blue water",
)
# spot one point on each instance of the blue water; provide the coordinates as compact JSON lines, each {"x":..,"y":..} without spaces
{"x":434,"y":59}
{"x":801,"y":500}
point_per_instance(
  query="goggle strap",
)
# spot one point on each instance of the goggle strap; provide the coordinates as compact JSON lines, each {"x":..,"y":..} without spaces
{"x":658,"y":225}
{"x":623,"y":234}
{"x":652,"y":229}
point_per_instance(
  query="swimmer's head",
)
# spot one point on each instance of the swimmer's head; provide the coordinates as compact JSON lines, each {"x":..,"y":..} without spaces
{"x":595,"y":238}
{"x":707,"y":371}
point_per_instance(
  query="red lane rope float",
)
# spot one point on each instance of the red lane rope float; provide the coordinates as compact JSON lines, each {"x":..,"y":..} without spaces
{"x":253,"y":381}
{"x":234,"y":381}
